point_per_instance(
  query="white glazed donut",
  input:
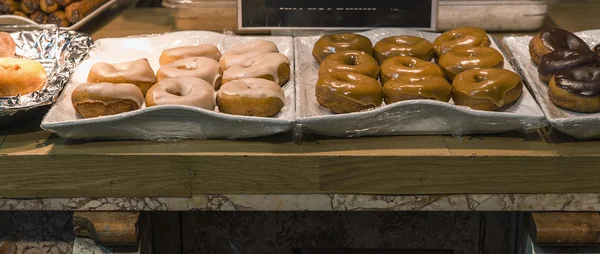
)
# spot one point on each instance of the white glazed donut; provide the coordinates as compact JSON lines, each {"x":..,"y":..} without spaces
{"x":138,"y":72}
{"x":200,"y":67}
{"x":251,"y":97}
{"x":203,"y":50}
{"x":241,"y":53}
{"x":271,"y":66}
{"x":190,"y":91}
{"x":101,"y":99}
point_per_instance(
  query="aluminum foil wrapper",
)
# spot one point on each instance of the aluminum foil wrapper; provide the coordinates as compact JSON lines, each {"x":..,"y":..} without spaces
{"x":58,"y":50}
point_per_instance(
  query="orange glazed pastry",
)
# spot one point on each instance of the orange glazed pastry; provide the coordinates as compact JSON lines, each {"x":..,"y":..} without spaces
{"x":486,"y":89}
{"x":397,"y":66}
{"x":460,"y":37}
{"x":461,"y":59}
{"x":350,"y":61}
{"x":416,"y":87}
{"x":403,"y":45}
{"x":334,"y":43}
{"x":345,"y":92}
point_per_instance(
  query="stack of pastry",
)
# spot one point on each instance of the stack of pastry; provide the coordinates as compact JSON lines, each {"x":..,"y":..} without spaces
{"x":190,"y":76}
{"x":62,"y":13}
{"x":348,"y":72}
{"x":18,"y":76}
{"x":570,"y":68}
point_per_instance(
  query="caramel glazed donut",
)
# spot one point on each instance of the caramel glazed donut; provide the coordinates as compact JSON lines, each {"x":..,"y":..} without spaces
{"x":350,"y":61}
{"x":346,"y":92}
{"x":410,"y":87}
{"x":242,"y":53}
{"x":486,"y":89}
{"x":101,"y":99}
{"x":552,"y":39}
{"x":576,"y":89}
{"x":251,"y":97}
{"x":271,"y":66}
{"x":190,"y":91}
{"x":200,"y":67}
{"x":460,"y":37}
{"x":461,"y":59}
{"x":403,"y":45}
{"x":397,"y":66}
{"x":203,"y":50}
{"x":334,"y":43}
{"x":138,"y":72}
{"x":20,"y":76}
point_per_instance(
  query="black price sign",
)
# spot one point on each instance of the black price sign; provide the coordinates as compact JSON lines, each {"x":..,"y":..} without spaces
{"x":332,"y":14}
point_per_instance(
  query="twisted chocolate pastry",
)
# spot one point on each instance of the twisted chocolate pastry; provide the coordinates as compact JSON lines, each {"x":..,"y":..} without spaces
{"x":30,"y":6}
{"x":39,"y":17}
{"x":49,"y":6}
{"x":64,"y":3}
{"x":78,"y":10}
{"x":58,"y":18}
{"x":8,"y":6}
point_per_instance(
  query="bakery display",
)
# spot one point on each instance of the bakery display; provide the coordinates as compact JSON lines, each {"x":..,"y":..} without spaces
{"x":403,"y":45}
{"x":486,"y":89}
{"x":189,"y":91}
{"x":576,"y":89}
{"x":7,"y":45}
{"x":350,"y":61}
{"x":334,"y":43}
{"x":138,"y":72}
{"x":460,"y":59}
{"x":251,"y":97}
{"x":551,"y":39}
{"x":203,"y":50}
{"x":346,"y":92}
{"x":397,"y":66}
{"x":102,"y":99}
{"x":20,"y":76}
{"x":564,"y":59}
{"x":205,"y":68}
{"x":270,"y":66}
{"x":62,"y":13}
{"x":241,"y":53}
{"x":460,"y":37}
{"x":411,"y":87}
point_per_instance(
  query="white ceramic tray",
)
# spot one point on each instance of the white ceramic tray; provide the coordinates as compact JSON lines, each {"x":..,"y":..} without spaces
{"x":579,"y":125}
{"x":18,"y":20}
{"x":403,"y":118}
{"x":165,"y":122}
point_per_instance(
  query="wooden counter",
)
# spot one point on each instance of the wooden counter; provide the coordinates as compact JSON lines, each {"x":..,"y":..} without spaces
{"x":35,"y":163}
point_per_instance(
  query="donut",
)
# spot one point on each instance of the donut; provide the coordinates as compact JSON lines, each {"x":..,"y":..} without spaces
{"x":190,"y":91}
{"x":138,"y":72}
{"x":102,"y":99}
{"x":403,"y":45}
{"x":241,"y":53}
{"x":563,"y":59}
{"x":486,"y":89}
{"x":332,"y":43}
{"x":203,"y":50}
{"x":460,"y":37}
{"x":551,"y":39}
{"x":350,"y":61}
{"x":251,"y":97}
{"x":397,"y":66}
{"x":7,"y":45}
{"x":461,"y":59}
{"x":271,"y":66}
{"x":410,"y":87}
{"x":20,"y":76}
{"x":576,"y":89}
{"x":346,"y":92}
{"x":200,"y":67}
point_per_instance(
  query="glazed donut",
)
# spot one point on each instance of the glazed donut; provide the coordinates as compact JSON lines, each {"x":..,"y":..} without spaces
{"x":410,"y":87}
{"x":20,"y":76}
{"x":102,"y":99}
{"x":403,"y":45}
{"x":334,"y":43}
{"x":138,"y":72}
{"x":270,"y":66}
{"x":346,"y":92}
{"x":7,"y":45}
{"x":397,"y":66}
{"x":350,"y":61}
{"x":576,"y":89}
{"x":486,"y":89}
{"x":242,"y":53}
{"x":190,"y":91}
{"x":461,"y":59}
{"x":551,"y":39}
{"x":460,"y":37}
{"x":200,"y":67}
{"x":251,"y":97}
{"x":203,"y":50}
{"x":563,"y":59}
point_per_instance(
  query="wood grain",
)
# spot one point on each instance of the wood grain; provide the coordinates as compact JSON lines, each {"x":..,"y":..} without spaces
{"x":108,"y":228}
{"x":565,"y":228}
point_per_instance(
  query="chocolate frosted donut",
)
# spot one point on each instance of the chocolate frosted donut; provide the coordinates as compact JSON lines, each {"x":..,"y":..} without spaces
{"x":552,"y":39}
{"x":403,"y":45}
{"x":576,"y":89}
{"x":597,"y":49}
{"x":559,"y":60}
{"x":350,"y":61}
{"x":333,"y":43}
